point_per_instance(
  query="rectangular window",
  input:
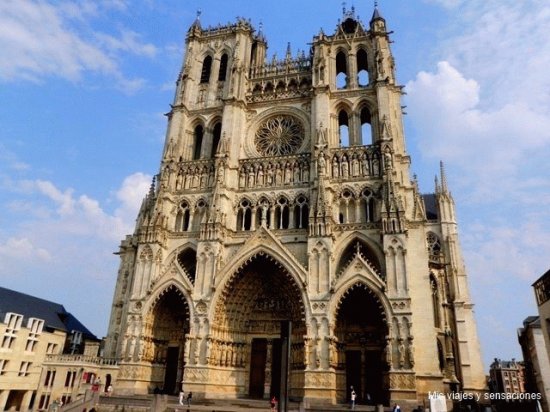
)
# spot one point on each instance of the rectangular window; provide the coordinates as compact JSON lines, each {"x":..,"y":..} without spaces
{"x":68,"y":379}
{"x":3,"y":366}
{"x":13,"y":324}
{"x":35,"y":327}
{"x":51,"y":349}
{"x":24,"y":369}
{"x":44,"y":401}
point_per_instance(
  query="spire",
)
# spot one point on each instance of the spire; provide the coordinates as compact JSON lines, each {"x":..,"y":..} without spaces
{"x":376,"y":14}
{"x":196,"y":26}
{"x":288,"y":52}
{"x":260,"y":35}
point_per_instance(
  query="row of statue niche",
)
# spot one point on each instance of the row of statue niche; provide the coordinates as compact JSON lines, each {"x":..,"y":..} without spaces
{"x":273,"y":174}
{"x":355,"y":165}
{"x":191,"y":177}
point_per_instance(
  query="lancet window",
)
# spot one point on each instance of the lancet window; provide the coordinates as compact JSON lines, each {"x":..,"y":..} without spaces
{"x":216,"y":137}
{"x":183,"y":217}
{"x":206,"y":69}
{"x":187,"y":259}
{"x":244,"y":215}
{"x":357,"y":209}
{"x":301,"y":213}
{"x":282,"y":214}
{"x":434,"y":246}
{"x":362,"y":68}
{"x":200,"y":211}
{"x":197,"y":145}
{"x":343,"y":128}
{"x":341,"y":70}
{"x":366,"y":127}
{"x":223,"y":68}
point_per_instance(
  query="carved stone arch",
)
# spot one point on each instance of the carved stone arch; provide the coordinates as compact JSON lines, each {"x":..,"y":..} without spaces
{"x":284,"y":259}
{"x":343,"y":104}
{"x":198,"y":120}
{"x":359,"y":281}
{"x":146,"y":254}
{"x":342,"y":188}
{"x":301,"y":115}
{"x":374,"y":254}
{"x":163,"y":288}
{"x":212,"y":121}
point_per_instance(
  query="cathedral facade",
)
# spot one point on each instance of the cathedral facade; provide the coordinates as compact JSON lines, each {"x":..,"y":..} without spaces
{"x":284,"y":194}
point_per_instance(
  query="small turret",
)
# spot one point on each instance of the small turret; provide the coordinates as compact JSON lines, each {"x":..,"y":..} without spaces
{"x":377,"y":22}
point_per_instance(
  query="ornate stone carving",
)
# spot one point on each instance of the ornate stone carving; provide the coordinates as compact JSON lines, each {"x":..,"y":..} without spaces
{"x":279,"y":136}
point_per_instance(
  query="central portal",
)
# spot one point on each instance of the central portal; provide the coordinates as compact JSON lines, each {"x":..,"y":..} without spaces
{"x":255,"y":301}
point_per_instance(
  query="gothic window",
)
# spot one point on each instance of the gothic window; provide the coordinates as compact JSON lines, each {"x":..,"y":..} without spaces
{"x":244,"y":215}
{"x":223,"y":68}
{"x":206,"y":69}
{"x":187,"y":259}
{"x":362,"y":68}
{"x":343,"y":128}
{"x":366,"y":126}
{"x":183,"y":217}
{"x":347,"y":207}
{"x":268,"y":88}
{"x":434,"y":246}
{"x":367,"y":200}
{"x":280,"y":88}
{"x":282,"y":214}
{"x":435,"y":301}
{"x":199,"y":134}
{"x":216,"y":136}
{"x":301,"y":213}
{"x":341,"y":70}
{"x":279,"y":136}
{"x":200,"y":211}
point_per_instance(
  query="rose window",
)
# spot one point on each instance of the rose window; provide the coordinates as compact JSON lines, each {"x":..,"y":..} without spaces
{"x":279,"y":136}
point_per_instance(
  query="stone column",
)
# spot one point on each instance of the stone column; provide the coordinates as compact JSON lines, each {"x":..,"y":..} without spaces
{"x":3,"y":399}
{"x":26,"y":402}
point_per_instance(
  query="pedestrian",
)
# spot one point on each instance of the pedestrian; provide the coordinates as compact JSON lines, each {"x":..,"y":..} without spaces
{"x":396,"y":408}
{"x":353,"y":395}
{"x":181,"y":395}
{"x":273,"y":403}
{"x":189,"y":397}
{"x":109,"y":390}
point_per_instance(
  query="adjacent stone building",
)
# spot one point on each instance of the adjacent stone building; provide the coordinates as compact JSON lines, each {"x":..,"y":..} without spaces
{"x":285,"y":194}
{"x":33,"y":331}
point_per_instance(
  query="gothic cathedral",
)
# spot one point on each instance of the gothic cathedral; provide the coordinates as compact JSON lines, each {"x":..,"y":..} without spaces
{"x":284,"y":193}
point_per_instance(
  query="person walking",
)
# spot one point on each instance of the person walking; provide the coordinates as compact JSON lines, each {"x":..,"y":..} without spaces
{"x":273,"y":403}
{"x":396,"y":408}
{"x":189,"y":397}
{"x":353,"y":396}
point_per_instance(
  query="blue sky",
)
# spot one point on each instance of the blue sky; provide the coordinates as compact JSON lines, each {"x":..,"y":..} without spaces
{"x":84,"y":85}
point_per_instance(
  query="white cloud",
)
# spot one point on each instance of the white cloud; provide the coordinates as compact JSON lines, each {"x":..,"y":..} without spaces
{"x":39,"y":39}
{"x":22,"y":248}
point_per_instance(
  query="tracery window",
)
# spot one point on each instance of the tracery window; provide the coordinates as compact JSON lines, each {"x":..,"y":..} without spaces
{"x":279,"y":136}
{"x":347,"y":207}
{"x":200,"y":211}
{"x":367,"y":200}
{"x":282,"y":213}
{"x":244,"y":215}
{"x":183,"y":217}
{"x":206,"y":69}
{"x":434,"y":245}
{"x":301,"y":213}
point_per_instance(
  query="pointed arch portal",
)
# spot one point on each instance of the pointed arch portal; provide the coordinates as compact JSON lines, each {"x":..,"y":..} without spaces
{"x":361,"y":330}
{"x":166,"y":325}
{"x":247,"y":326}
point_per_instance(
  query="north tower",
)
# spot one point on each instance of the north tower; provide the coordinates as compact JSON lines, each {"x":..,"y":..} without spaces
{"x":284,"y":193}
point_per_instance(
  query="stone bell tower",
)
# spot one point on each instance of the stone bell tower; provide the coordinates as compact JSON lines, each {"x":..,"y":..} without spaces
{"x":284,"y":194}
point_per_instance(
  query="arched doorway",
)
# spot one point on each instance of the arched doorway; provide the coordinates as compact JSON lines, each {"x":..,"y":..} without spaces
{"x":164,"y":339}
{"x":247,"y":327}
{"x":361,"y":330}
